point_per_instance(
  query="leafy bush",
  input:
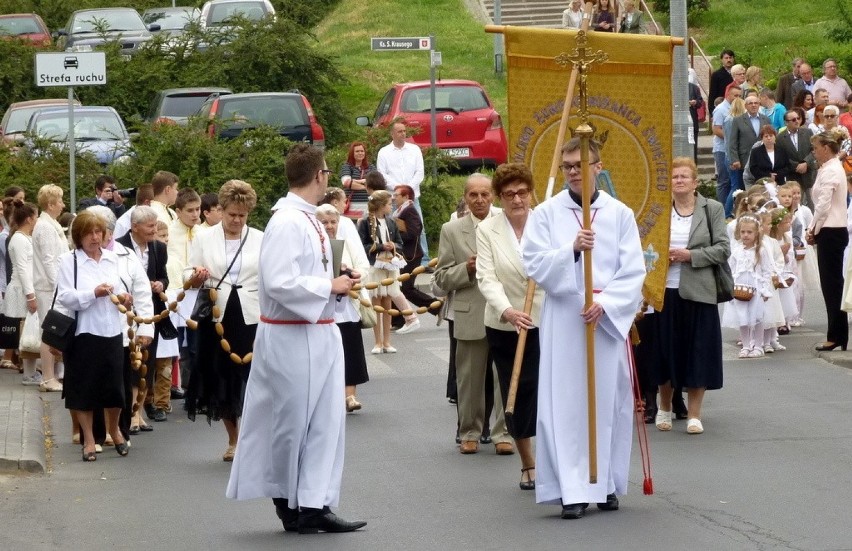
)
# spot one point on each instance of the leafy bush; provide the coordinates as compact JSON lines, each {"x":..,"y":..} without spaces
{"x":841,"y":28}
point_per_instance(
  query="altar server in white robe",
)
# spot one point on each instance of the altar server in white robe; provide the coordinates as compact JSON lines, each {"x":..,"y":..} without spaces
{"x":292,"y":436}
{"x":552,"y":245}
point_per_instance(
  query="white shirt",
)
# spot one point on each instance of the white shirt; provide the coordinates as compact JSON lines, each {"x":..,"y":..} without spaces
{"x":680,"y":227}
{"x":571,"y":19}
{"x":141,"y":253}
{"x":401,"y":165}
{"x":95,"y":315}
{"x":122,"y":225}
{"x":49,"y":243}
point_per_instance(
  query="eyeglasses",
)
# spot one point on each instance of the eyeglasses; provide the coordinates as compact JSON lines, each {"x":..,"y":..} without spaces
{"x":829,"y":116}
{"x":510,"y":195}
{"x":796,"y":119}
{"x":568,"y":167}
{"x":326,"y":171}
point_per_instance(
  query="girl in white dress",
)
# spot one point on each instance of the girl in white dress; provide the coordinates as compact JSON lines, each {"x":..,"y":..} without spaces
{"x":806,"y":263}
{"x":752,"y":268}
{"x":782,"y":221}
{"x":773,"y":313}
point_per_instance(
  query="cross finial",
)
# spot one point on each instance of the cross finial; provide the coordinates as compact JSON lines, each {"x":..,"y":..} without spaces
{"x":582,"y":58}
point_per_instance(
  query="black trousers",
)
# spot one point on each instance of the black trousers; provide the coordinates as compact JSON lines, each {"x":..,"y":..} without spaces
{"x":830,"y":245}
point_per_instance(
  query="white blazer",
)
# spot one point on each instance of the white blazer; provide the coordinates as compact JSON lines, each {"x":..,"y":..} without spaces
{"x":502,"y":279}
{"x":208,"y":250}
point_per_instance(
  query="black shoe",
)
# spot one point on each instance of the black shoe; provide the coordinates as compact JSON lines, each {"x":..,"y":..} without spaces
{"x":159,"y":416}
{"x":458,"y":438}
{"x":574,"y":510}
{"x":678,"y":406}
{"x":150,"y":410}
{"x":312,"y":521}
{"x":177,"y":393}
{"x":134,"y":429}
{"x":453,"y":400}
{"x":485,"y":438}
{"x":611,"y":503}
{"x":146,"y":428}
{"x":289,"y":517}
{"x":123,"y":449}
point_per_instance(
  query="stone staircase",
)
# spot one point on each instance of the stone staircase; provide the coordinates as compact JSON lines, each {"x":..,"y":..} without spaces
{"x":528,"y":13}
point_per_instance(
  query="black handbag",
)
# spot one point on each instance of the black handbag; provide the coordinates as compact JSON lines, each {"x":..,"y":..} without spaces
{"x":57,"y":329}
{"x":203,"y":309}
{"x":10,"y":332}
{"x":721,"y":272}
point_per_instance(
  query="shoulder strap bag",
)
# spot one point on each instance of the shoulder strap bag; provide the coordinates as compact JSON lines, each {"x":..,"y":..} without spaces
{"x":203,"y":310}
{"x":57,"y":329}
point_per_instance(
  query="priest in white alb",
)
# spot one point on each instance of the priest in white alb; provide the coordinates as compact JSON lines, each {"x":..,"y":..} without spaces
{"x":552,"y":249}
{"x":291,"y":440}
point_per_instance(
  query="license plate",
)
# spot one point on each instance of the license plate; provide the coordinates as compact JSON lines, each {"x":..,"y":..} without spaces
{"x":458,"y":151}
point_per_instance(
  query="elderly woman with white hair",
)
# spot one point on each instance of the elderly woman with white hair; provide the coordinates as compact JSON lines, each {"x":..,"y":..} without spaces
{"x":831,"y":123}
{"x":49,"y":243}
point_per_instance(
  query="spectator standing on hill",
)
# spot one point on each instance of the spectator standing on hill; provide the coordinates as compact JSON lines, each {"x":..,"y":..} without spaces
{"x":720,"y":78}
{"x":745,"y":130}
{"x":784,"y":90}
{"x":846,"y":118}
{"x":573,"y":15}
{"x":773,"y":110}
{"x":723,"y":177}
{"x":836,"y":86}
{"x":796,"y":143}
{"x":806,"y":80}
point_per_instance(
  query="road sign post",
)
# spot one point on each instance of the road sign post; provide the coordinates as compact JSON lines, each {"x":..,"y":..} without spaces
{"x":70,"y":69}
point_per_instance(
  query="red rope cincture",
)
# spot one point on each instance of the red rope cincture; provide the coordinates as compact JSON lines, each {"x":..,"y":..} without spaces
{"x":641,"y":432}
{"x":270,"y":321}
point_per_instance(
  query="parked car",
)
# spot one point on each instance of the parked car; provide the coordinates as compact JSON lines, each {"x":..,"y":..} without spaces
{"x":469,"y":129}
{"x":97,"y":130}
{"x":176,"y":105}
{"x":88,"y":29}
{"x":172,"y":21}
{"x":218,"y":13}
{"x":25,"y":26}
{"x":289,"y":112}
{"x":17,"y":116}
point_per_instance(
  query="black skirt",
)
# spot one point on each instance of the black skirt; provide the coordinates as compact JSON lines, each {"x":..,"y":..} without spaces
{"x":94,"y":373}
{"x":502,"y":345}
{"x":686,"y":346}
{"x":353,"y":353}
{"x":217,"y":386}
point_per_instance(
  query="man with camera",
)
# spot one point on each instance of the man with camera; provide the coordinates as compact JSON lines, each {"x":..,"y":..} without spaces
{"x":107,"y":194}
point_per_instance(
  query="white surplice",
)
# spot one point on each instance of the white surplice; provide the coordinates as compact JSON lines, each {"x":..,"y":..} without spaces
{"x":292,"y":433}
{"x":562,"y":468}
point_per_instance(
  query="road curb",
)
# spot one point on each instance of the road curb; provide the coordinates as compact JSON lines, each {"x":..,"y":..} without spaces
{"x":22,"y":448}
{"x":839,"y":358}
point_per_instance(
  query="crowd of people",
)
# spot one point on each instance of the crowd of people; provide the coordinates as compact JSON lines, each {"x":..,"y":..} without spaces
{"x":612,"y":16}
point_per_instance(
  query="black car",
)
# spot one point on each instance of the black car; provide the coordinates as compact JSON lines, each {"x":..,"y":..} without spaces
{"x":290,"y":112}
{"x":176,"y":105}
{"x":88,"y":29}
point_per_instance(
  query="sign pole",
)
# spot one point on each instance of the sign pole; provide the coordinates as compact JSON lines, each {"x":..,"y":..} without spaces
{"x":433,"y":126}
{"x":72,"y":153}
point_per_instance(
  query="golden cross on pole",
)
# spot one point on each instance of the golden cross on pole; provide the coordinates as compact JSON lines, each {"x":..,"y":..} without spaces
{"x":582,"y":58}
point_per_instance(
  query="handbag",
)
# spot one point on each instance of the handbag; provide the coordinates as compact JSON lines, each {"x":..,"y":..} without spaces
{"x":701,"y":112}
{"x":10,"y":332}
{"x":57,"y":329}
{"x":203,"y":309}
{"x":721,"y":272}
{"x":31,"y":334}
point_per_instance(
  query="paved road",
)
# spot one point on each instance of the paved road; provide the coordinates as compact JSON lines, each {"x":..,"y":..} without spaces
{"x":771,"y":472}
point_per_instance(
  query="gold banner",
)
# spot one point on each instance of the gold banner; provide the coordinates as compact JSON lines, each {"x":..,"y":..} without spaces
{"x":630,"y":108}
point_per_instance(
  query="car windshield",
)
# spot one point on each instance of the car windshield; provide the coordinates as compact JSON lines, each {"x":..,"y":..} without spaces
{"x":171,"y":20}
{"x":119,"y":20}
{"x":87,"y":127}
{"x":182,"y":106}
{"x":273,"y":111}
{"x":19,"y":118}
{"x":221,"y":13}
{"x":453,"y":98}
{"x":15,"y":26}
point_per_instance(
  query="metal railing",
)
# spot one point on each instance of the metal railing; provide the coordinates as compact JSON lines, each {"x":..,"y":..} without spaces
{"x":693,"y":45}
{"x":653,"y":24}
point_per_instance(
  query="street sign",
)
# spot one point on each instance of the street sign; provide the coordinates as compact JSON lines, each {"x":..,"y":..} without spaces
{"x":401,"y":43}
{"x":70,"y":69}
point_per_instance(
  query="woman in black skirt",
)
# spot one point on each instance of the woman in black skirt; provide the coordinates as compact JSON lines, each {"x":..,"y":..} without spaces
{"x":687,"y":332}
{"x":94,"y":365}
{"x":349,"y":321}
{"x":503,"y":283}
{"x":226,"y":257}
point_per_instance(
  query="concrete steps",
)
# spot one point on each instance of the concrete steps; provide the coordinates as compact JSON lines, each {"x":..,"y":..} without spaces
{"x":529,"y":13}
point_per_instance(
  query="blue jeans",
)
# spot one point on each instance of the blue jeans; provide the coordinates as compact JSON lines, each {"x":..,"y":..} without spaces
{"x":423,"y":244}
{"x":736,"y":183}
{"x":723,"y":180}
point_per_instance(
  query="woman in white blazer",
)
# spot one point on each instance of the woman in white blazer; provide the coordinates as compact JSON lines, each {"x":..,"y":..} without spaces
{"x":226,"y":255}
{"x":503,"y":283}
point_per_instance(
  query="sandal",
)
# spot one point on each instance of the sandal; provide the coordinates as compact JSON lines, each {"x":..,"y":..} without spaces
{"x":663,"y":420}
{"x":530,"y":482}
{"x":7,"y":364}
{"x":694,"y":426}
{"x":229,"y":454}
{"x":352,"y":404}
{"x":89,"y":456}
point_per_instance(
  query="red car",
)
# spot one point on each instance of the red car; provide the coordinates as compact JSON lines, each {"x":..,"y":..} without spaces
{"x":25,"y":26}
{"x":468,"y":127}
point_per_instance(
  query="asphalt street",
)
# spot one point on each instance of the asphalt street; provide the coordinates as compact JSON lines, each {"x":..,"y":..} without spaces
{"x":771,"y":471}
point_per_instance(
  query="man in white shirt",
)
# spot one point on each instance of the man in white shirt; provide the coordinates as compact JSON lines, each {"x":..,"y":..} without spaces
{"x":144,"y":196}
{"x":165,"y":186}
{"x":401,"y":162}
{"x":837,"y":87}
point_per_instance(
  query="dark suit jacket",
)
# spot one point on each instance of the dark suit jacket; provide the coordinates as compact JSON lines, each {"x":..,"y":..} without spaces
{"x":761,"y":167}
{"x":784,"y":90}
{"x":411,"y":235}
{"x":803,"y":153}
{"x":798,"y":86}
{"x":719,"y":80}
{"x":117,"y":210}
{"x":742,"y":138}
{"x":371,"y":247}
{"x":157,"y":258}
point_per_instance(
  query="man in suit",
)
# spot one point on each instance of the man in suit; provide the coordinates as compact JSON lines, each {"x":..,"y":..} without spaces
{"x":796,"y":143}
{"x":745,"y":130}
{"x":784,"y":90}
{"x":456,"y":271}
{"x":105,"y":194}
{"x":806,"y":80}
{"x":720,"y":78}
{"x":153,"y":254}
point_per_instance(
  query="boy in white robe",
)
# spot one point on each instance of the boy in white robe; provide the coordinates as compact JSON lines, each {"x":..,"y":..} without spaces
{"x":291,"y":440}
{"x":552,"y":245}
